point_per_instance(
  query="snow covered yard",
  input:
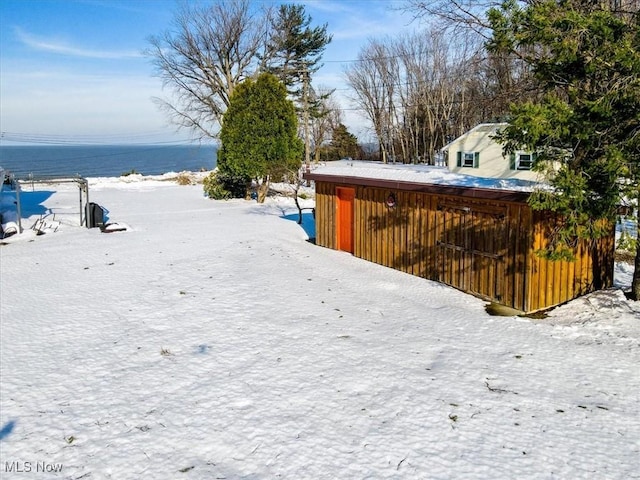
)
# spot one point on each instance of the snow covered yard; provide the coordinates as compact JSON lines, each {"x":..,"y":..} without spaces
{"x":212,"y":341}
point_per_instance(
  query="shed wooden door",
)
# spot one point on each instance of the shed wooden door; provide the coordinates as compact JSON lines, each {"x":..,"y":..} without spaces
{"x":471,"y":249}
{"x":344,"y":218}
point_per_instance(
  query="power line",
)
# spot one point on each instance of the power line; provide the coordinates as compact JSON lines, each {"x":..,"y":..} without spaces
{"x":106,"y":139}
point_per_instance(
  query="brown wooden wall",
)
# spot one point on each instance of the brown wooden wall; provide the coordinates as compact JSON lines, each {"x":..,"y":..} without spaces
{"x":326,"y":215}
{"x":556,"y":282}
{"x":480,"y":246}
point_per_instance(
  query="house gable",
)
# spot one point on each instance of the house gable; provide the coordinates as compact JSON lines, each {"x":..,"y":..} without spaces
{"x":477,"y":153}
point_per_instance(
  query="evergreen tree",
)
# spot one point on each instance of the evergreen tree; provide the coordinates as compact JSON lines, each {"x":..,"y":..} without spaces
{"x":294,"y":47}
{"x":259,"y":134}
{"x":586,"y":58}
{"x":293,"y":54}
{"x":343,"y":143}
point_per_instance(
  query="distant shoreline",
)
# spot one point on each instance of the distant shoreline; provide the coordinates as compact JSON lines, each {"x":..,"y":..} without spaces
{"x":106,"y":160}
{"x":182,"y":176}
{"x":109,"y":145}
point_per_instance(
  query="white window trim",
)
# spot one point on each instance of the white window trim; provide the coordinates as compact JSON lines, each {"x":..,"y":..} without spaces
{"x":521,"y":167}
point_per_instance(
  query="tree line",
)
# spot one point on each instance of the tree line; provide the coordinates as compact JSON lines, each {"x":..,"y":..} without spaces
{"x":421,"y":90}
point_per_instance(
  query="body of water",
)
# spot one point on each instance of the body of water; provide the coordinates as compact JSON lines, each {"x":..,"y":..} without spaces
{"x":105,"y":160}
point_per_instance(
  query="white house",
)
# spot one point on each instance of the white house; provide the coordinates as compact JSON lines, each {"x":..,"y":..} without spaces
{"x":477,"y":153}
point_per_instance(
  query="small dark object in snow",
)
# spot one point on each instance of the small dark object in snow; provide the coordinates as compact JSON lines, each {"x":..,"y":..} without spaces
{"x":112,"y":227}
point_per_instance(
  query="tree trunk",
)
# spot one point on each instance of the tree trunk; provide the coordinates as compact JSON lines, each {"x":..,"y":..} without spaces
{"x":263,"y":189}
{"x":635,"y":284}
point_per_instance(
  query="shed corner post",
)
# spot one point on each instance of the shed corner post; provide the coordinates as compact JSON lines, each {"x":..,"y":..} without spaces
{"x":85,"y":185}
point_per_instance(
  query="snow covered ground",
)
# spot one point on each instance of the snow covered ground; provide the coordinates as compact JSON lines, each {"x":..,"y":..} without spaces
{"x":212,"y":341}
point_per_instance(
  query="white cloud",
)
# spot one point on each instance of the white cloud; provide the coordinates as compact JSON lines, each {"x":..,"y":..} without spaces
{"x":360,"y":20}
{"x":61,"y":47}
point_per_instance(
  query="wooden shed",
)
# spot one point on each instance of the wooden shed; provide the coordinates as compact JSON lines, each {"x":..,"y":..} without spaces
{"x":477,"y":235}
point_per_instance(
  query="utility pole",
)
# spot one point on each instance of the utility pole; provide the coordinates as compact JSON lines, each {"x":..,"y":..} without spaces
{"x":305,"y":94}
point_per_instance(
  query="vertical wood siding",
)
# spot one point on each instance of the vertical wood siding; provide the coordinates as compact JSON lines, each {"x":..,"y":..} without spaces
{"x":483,"y":247}
{"x":325,"y":215}
{"x":556,"y":282}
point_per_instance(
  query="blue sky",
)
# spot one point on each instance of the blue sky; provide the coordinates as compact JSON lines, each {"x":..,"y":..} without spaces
{"x":74,"y":70}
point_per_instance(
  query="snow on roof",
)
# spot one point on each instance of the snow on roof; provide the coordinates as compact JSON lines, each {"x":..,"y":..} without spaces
{"x":480,"y":128}
{"x":419,"y":174}
{"x":488,"y":127}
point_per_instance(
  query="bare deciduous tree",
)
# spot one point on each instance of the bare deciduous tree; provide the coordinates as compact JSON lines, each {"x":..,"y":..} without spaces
{"x":372,"y":80}
{"x":435,"y":70}
{"x":421,"y":90}
{"x":210,"y":51}
{"x":326,"y":116}
{"x":454,"y":14}
{"x":415,"y":91}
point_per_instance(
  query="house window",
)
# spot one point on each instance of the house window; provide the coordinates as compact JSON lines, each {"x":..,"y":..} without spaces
{"x":522,"y":161}
{"x":525,"y":161}
{"x":469,"y":159}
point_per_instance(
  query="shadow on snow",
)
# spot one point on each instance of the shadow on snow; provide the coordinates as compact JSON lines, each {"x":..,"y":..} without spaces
{"x":7,"y":429}
{"x":308,"y":223}
{"x":31,"y":203}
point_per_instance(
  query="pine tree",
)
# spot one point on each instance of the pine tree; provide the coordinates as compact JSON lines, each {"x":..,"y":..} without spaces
{"x":343,"y":143}
{"x":586,"y":59}
{"x":294,"y":48}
